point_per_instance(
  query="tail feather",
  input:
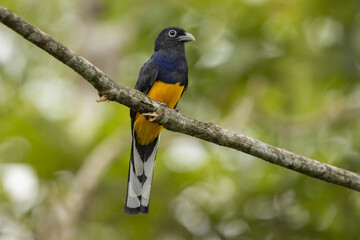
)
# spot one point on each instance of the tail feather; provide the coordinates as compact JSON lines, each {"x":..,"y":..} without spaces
{"x":141,"y":168}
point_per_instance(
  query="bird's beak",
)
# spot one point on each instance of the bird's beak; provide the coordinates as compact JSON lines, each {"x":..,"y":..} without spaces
{"x":186,"y":38}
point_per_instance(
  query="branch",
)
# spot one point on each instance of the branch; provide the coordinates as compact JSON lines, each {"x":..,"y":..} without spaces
{"x":172,"y":120}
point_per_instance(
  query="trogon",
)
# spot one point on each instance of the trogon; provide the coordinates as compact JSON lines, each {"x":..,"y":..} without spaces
{"x":164,"y":78}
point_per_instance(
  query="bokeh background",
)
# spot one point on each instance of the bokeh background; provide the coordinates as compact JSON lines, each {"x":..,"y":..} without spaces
{"x":284,"y":72}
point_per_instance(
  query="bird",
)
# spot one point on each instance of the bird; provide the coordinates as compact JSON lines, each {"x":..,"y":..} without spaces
{"x":164,"y":78}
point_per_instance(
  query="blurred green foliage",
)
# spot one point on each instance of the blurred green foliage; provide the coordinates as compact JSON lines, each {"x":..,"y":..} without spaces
{"x":284,"y":72}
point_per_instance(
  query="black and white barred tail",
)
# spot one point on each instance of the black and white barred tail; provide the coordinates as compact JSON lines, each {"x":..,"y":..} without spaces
{"x":141,"y":169}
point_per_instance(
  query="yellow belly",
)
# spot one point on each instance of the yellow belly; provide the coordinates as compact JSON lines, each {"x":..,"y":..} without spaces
{"x":170,"y":94}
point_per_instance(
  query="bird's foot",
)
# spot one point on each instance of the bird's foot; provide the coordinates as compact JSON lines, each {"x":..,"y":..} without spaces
{"x":152,"y":116}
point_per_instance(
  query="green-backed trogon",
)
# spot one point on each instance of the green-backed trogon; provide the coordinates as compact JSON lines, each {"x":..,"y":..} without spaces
{"x":163,"y":78}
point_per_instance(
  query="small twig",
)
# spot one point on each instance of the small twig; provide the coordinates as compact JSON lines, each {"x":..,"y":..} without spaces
{"x":103,"y":98}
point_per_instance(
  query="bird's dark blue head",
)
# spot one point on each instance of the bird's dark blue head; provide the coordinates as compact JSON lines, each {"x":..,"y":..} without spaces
{"x":172,"y":38}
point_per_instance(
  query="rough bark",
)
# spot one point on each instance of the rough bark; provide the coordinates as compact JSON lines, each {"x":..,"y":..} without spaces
{"x":175,"y":121}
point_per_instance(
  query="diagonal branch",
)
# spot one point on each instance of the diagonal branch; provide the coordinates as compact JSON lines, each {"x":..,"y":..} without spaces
{"x":172,"y":120}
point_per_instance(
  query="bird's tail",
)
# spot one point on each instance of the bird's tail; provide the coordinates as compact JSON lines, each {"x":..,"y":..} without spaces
{"x":141,"y":169}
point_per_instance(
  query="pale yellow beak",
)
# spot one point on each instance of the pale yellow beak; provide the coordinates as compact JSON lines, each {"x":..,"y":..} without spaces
{"x":186,"y":38}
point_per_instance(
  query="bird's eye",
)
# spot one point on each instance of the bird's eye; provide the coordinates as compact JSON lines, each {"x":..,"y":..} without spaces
{"x":172,"y":33}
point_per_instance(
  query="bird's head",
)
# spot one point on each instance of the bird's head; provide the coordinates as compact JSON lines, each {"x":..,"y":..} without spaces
{"x":172,"y":37}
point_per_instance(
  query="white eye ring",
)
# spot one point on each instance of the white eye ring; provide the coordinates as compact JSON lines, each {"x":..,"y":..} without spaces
{"x":172,"y":33}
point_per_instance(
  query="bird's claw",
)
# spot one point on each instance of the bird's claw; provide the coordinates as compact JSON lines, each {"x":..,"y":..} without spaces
{"x":152,"y":116}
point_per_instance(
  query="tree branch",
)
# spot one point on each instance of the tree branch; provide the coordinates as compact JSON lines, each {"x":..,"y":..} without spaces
{"x":172,"y":120}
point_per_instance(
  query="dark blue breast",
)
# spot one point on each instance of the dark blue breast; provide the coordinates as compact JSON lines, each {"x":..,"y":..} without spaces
{"x":172,"y":69}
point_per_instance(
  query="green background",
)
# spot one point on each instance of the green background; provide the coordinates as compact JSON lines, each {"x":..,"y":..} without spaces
{"x":284,"y":72}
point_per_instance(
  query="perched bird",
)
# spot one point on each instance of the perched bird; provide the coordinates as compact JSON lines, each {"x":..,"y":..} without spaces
{"x":163,"y":78}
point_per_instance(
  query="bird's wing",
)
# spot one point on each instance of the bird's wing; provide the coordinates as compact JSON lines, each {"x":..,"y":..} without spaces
{"x":147,"y":76}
